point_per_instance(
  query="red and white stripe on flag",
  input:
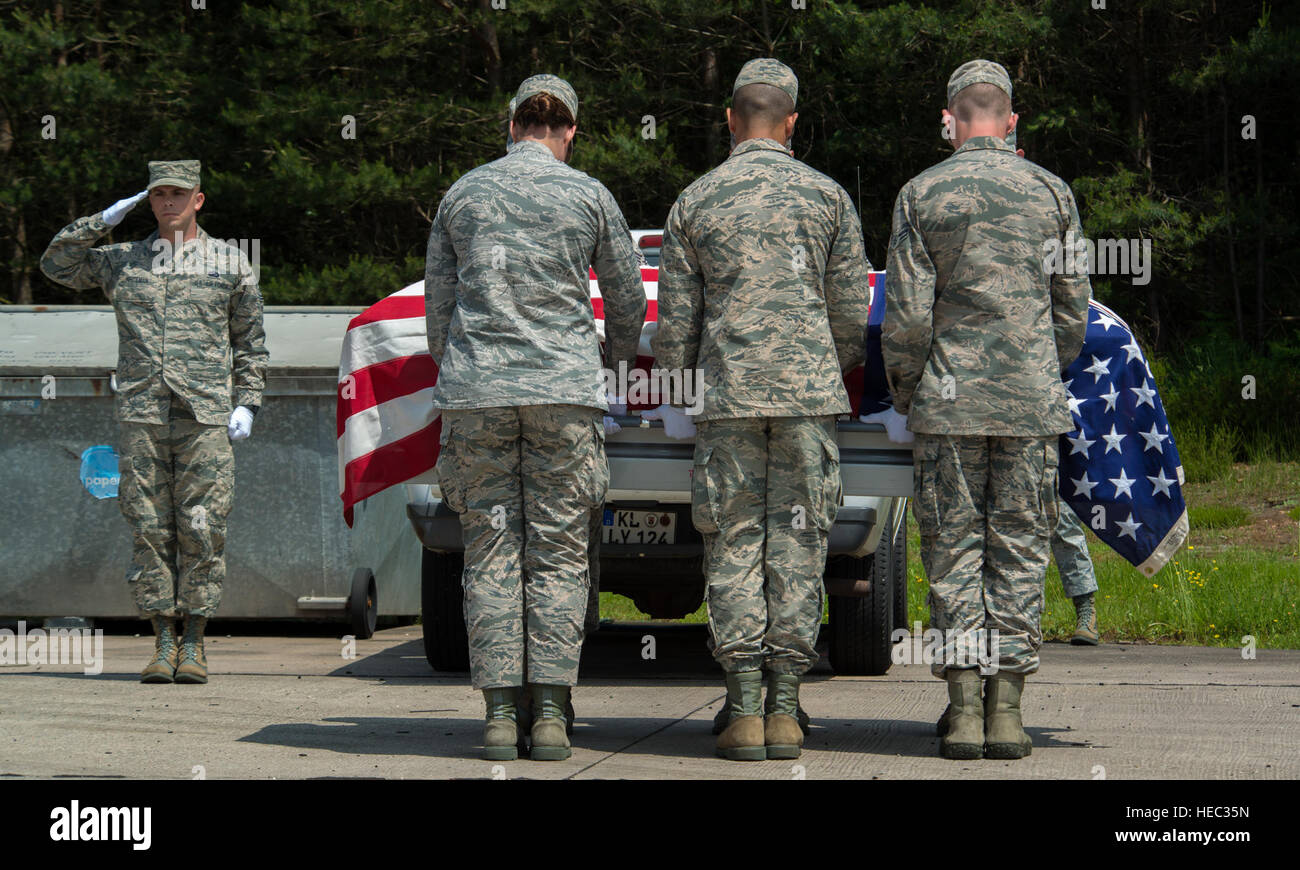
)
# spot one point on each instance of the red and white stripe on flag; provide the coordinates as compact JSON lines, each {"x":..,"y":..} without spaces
{"x":387,"y":427}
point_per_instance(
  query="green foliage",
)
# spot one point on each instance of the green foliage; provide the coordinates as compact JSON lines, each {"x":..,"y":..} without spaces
{"x":1227,"y":402}
{"x":1140,"y":107}
{"x":1217,"y":516}
{"x":1207,"y":453}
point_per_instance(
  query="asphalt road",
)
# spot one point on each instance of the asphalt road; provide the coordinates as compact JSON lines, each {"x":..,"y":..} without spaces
{"x":296,"y":707}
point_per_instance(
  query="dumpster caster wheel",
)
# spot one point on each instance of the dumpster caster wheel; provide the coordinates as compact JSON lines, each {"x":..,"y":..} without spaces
{"x":363,"y":604}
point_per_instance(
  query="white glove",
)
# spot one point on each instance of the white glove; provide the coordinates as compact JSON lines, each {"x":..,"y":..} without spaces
{"x":895,"y":425}
{"x":611,"y":427}
{"x":114,"y":213}
{"x":241,"y":424}
{"x":676,"y":424}
{"x":617,"y":405}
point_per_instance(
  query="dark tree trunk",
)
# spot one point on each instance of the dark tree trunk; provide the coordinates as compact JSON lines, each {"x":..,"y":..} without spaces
{"x":1232,"y":248}
{"x":487,"y":35}
{"x":714,"y":129}
{"x":23,"y":278}
{"x":1261,"y":206}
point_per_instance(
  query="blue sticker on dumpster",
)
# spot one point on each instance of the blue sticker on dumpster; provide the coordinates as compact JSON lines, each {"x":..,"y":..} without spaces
{"x":99,"y":473}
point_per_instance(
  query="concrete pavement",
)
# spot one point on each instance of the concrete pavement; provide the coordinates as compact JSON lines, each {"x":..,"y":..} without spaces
{"x":294,"y":707}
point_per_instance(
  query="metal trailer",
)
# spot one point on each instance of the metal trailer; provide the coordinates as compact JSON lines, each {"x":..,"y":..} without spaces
{"x":650,"y":478}
{"x":289,"y":553}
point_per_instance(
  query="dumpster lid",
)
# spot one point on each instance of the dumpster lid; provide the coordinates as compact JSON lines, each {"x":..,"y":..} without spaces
{"x":53,"y":338}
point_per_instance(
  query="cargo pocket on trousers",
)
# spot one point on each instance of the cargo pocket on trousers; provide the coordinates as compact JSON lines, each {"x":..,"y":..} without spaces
{"x":450,"y":477}
{"x":925,"y":502}
{"x":702,"y":513}
{"x":596,"y":467}
{"x":832,"y":485}
{"x":1051,"y":483}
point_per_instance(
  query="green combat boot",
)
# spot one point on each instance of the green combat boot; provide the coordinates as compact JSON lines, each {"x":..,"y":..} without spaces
{"x":724,"y":716}
{"x":550,"y":740}
{"x":524,"y":712}
{"x":501,"y":734}
{"x":193,"y":666}
{"x":781,"y":732}
{"x":743,"y":738}
{"x":162,"y":667}
{"x":1004,"y":735}
{"x":962,"y":724}
{"x":1085,"y":629}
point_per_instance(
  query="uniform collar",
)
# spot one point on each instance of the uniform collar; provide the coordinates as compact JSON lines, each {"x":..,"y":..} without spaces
{"x":532,"y":148}
{"x":985,"y":143}
{"x":760,"y":144}
{"x":200,"y":237}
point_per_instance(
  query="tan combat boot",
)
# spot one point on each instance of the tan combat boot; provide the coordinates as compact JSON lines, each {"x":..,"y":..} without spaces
{"x":962,"y":724}
{"x":549,"y":734}
{"x":193,"y":667}
{"x":162,"y":667}
{"x":743,"y":738}
{"x":781,"y":732}
{"x":1004,"y":734}
{"x":724,"y":716}
{"x":1085,"y":628}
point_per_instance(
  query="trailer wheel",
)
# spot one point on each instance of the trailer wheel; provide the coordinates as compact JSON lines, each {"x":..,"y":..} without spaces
{"x":860,"y":627}
{"x":363,"y":604}
{"x":442,"y":611}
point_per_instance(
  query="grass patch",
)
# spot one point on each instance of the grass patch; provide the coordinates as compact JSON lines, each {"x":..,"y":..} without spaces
{"x":620,"y":608}
{"x":1218,"y":589}
{"x":1206,"y":452}
{"x":1218,"y":516}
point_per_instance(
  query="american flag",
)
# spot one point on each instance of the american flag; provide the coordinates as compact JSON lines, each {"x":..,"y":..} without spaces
{"x":387,"y":428}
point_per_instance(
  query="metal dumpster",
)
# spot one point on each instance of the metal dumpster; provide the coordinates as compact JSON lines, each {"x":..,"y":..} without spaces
{"x":289,"y":554}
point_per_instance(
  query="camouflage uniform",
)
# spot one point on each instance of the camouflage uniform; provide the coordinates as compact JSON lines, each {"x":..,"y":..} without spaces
{"x":520,"y":384}
{"x":974,"y":344}
{"x":763,"y":288}
{"x":1070,"y":550}
{"x":190,"y":348}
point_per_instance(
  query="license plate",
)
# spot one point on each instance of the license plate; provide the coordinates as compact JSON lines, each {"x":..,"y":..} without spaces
{"x":639,"y":527}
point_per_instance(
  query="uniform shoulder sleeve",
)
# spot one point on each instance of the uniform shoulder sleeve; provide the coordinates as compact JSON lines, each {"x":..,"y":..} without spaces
{"x":847,"y":269}
{"x":73,"y":261}
{"x":248,"y":337}
{"x":618,"y":274}
{"x":441,"y":276}
{"x":908,"y":328}
{"x":676,"y":344}
{"x":1070,"y":289}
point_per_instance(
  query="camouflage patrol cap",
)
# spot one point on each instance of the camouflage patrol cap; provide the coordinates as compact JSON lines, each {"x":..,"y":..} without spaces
{"x":548,"y":84}
{"x":178,"y":173}
{"x":768,"y":71}
{"x":975,"y":71}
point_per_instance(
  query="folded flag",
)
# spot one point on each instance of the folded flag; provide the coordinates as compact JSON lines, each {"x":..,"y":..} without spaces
{"x":1120,"y":470}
